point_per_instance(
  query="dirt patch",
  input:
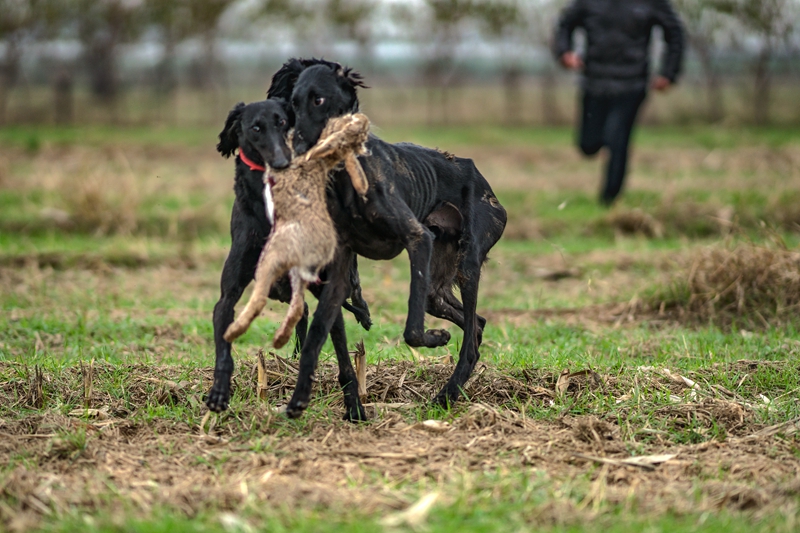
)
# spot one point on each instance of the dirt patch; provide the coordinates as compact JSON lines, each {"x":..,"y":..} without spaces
{"x":61,"y":459}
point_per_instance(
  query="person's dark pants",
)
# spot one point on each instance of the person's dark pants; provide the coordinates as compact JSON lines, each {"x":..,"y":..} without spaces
{"x":608,"y":121}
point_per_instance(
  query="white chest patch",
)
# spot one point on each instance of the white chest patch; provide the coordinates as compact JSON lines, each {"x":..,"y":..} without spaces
{"x":268,"y":203}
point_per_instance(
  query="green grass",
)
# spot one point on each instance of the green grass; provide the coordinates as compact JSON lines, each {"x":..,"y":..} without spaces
{"x":34,"y":137}
{"x":139,"y":304}
{"x":465,"y":515}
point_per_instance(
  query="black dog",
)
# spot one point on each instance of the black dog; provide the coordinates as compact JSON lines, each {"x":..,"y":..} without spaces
{"x":259,"y":131}
{"x":436,"y":206}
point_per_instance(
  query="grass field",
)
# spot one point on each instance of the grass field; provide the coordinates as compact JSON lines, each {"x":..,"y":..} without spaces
{"x":640,"y":369}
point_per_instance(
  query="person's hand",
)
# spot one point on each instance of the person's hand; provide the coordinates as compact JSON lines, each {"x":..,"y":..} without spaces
{"x":660,"y":83}
{"x":571,"y":60}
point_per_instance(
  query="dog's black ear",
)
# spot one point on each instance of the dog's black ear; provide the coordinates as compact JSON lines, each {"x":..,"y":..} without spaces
{"x":228,"y":137}
{"x":349,"y":81}
{"x":352,"y":77}
{"x":283,"y":81}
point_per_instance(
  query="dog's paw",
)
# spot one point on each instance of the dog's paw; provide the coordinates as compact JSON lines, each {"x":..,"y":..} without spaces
{"x":355,"y":413}
{"x":432,"y":338}
{"x":447,"y":396}
{"x":217,"y":400}
{"x":365,"y":320}
{"x":436,"y":337}
{"x":296,"y":409}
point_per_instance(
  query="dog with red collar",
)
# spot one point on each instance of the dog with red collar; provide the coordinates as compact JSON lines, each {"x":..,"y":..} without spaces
{"x":303,"y":238}
{"x":257,"y":134}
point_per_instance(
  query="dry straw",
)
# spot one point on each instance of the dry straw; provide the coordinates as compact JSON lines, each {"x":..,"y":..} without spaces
{"x":758,"y":283}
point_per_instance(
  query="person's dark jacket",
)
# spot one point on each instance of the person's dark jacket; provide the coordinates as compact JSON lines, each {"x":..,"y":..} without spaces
{"x":617,"y":57}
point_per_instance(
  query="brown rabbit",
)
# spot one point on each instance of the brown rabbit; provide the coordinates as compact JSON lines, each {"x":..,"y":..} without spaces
{"x":303,"y":238}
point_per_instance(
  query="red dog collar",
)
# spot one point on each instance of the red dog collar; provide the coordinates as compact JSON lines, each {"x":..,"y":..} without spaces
{"x":250,"y":163}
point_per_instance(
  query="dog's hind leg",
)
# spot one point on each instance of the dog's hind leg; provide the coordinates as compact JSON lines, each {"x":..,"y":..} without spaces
{"x":469,"y":355}
{"x":442,"y":303}
{"x":484,"y":226}
{"x":296,"y":308}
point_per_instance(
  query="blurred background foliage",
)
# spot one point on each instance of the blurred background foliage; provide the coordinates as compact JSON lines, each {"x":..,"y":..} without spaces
{"x":429,"y":62}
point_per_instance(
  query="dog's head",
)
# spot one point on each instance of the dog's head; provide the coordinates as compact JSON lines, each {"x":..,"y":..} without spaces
{"x":319,"y":90}
{"x":259,"y":127}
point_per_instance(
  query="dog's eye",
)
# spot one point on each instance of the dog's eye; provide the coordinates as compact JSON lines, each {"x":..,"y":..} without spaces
{"x":282,"y":122}
{"x":318,"y":101}
{"x":256,"y":129}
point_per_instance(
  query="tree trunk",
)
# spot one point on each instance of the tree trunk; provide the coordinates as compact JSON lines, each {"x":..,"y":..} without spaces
{"x":434,"y":88}
{"x":430,"y":91}
{"x":9,"y":73}
{"x":101,"y":61}
{"x":763,"y":86}
{"x":166,"y":84}
{"x":715,"y":108}
{"x":165,"y":78}
{"x":550,"y":112}
{"x":365,"y":56}
{"x":211,"y":71}
{"x":512,"y":85}
{"x":63,"y":99}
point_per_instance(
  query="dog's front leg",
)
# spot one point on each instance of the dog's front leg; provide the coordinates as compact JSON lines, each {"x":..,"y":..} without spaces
{"x":353,"y":410}
{"x":329,"y":306}
{"x":236,"y":275}
{"x":419,"y":244}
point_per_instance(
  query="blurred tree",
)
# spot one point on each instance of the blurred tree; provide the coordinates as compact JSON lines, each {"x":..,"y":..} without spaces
{"x":172,"y":20}
{"x":503,"y":21}
{"x":204,"y":18}
{"x":703,"y":26}
{"x":772,"y":22}
{"x":101,"y":26}
{"x":540,"y":20}
{"x":21,"y":20}
{"x":444,"y":28}
{"x":286,"y":10}
{"x":16,"y":17}
{"x":350,"y":19}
